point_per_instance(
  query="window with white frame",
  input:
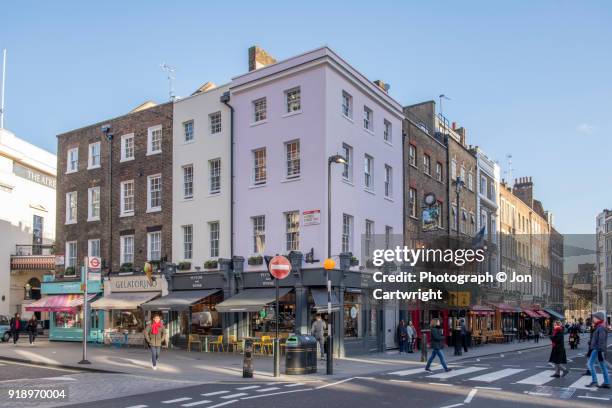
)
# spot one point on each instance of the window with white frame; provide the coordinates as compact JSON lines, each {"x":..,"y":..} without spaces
{"x":388,"y":181}
{"x":93,"y":206}
{"x":127,"y":249}
{"x":453,"y":170}
{"x":347,"y":105}
{"x":72,"y":163}
{"x":470,"y":181}
{"x":483,"y":185}
{"x":127,"y":147}
{"x":369,"y":237}
{"x":259,"y":110}
{"x":292,"y":151}
{"x":213,"y":228}
{"x":188,"y":181}
{"x":347,"y":228}
{"x":154,"y":192}
{"x":259,"y":166}
{"x":154,"y":138}
{"x":427,"y":164}
{"x":154,"y":246}
{"x":93,"y":247}
{"x":413,"y":202}
{"x":412,"y":155}
{"x":292,"y":230}
{"x":214,"y":167}
{"x":463,"y":178}
{"x":215,"y":122}
{"x":188,"y":130}
{"x":438,"y":171}
{"x":368,"y":168}
{"x":293,"y":100}
{"x":347,"y":167}
{"x":388,"y":236}
{"x":368,"y":119}
{"x":259,"y":234}
{"x":187,"y":241}
{"x":94,"y":156}
{"x":387,"y":134}
{"x":71,"y":207}
{"x":71,"y":255}
{"x":127,"y":197}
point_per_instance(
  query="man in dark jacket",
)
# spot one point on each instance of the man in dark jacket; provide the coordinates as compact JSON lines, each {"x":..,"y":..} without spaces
{"x":598,"y":346}
{"x":32,"y":327}
{"x":155,"y":335}
{"x":16,"y":327}
{"x":437,"y":344}
{"x":402,"y":336}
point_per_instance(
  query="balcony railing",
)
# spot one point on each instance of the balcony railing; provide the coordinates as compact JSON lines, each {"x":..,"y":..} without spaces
{"x":29,"y":250}
{"x":33,"y":257}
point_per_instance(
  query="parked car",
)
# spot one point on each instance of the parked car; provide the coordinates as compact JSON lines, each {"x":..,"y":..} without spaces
{"x":5,"y":328}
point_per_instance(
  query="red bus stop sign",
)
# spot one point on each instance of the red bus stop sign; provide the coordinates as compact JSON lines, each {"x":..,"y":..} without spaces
{"x":280,"y":267}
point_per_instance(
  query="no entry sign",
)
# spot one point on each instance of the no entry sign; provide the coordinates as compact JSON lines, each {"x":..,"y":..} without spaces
{"x":280,"y":267}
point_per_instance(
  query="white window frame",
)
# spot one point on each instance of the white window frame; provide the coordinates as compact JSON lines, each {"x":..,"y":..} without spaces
{"x":412,"y":160}
{"x":388,"y":131}
{"x":258,"y":224}
{"x":293,"y":163}
{"x":124,"y":144}
{"x":257,"y":166}
{"x":72,"y":260}
{"x":292,"y":231}
{"x":439,"y":174}
{"x":427,"y":164}
{"x":368,"y":119}
{"x":188,"y":181}
{"x":150,"y":236}
{"x":412,"y":195}
{"x":90,"y":161}
{"x":150,"y":132}
{"x":189,"y":131}
{"x":260,"y":115}
{"x":347,"y":233}
{"x":214,"y":176}
{"x":72,"y":160}
{"x":123,"y":246}
{"x":123,"y":197}
{"x":346,"y":107}
{"x":289,"y":104}
{"x":187,"y":241}
{"x":90,"y":245}
{"x":215,"y":122}
{"x":388,"y":181}
{"x":347,"y":168}
{"x":91,"y":203}
{"x":388,"y":236}
{"x":214,"y":235}
{"x":368,"y":236}
{"x":150,"y":178}
{"x":69,"y":207}
{"x":368,"y":172}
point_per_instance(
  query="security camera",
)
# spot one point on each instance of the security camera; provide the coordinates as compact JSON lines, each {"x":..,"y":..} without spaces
{"x":106,"y":128}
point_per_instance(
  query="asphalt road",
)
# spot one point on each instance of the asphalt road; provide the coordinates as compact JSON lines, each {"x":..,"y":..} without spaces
{"x":14,"y":372}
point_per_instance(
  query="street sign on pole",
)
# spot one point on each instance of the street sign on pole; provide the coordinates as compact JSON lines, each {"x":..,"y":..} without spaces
{"x":84,"y":277}
{"x":279,"y":267}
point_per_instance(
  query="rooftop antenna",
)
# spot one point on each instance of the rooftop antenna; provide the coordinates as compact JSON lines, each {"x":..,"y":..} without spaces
{"x":2,"y":95}
{"x":169,"y":70}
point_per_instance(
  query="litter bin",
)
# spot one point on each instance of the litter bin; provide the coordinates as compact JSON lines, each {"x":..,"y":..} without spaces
{"x":300,"y":354}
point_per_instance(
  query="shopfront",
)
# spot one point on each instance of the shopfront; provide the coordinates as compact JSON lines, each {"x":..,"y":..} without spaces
{"x":123,"y":297}
{"x":63,"y":300}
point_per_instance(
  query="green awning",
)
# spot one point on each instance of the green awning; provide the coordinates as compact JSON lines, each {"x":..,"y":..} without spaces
{"x":251,"y":300}
{"x":554,"y":314}
{"x":179,"y":300}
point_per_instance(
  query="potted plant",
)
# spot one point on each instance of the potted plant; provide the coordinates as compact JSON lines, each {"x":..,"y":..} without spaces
{"x":255,"y":260}
{"x":126,"y":267}
{"x":211,"y":264}
{"x":354,"y":261}
{"x":69,"y":270}
{"x":184,"y":266}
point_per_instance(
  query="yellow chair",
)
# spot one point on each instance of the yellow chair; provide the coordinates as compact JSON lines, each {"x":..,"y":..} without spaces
{"x":266,"y":344}
{"x":194,"y":339}
{"x":232,"y":342}
{"x":218,"y":343}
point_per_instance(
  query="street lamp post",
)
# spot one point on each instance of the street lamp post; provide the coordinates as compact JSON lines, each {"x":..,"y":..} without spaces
{"x":459,"y":183}
{"x":330,"y":338}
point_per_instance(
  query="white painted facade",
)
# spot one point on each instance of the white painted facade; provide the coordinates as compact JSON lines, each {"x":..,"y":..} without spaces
{"x":321,"y":129}
{"x":487,"y":202}
{"x":27,"y":189}
{"x":207,"y":204}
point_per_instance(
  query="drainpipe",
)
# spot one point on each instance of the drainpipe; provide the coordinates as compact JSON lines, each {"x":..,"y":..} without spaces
{"x":106,"y":129}
{"x":225,"y":99}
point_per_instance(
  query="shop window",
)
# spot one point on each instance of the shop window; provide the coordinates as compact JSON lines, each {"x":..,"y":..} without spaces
{"x":352,"y":315}
{"x":264,"y":322}
{"x":67,"y":320}
{"x":130,"y":320}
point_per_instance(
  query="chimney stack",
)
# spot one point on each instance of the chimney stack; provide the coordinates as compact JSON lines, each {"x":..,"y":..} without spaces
{"x":259,"y":58}
{"x":384,"y":87}
{"x":461,"y":131}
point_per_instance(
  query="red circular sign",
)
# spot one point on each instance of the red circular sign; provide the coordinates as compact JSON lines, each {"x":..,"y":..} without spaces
{"x":94,"y":262}
{"x":280,"y":267}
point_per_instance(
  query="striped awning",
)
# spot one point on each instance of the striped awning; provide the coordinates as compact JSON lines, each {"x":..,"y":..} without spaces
{"x":531,"y":313}
{"x":543,"y":314}
{"x":58,"y":303}
{"x":33,"y":263}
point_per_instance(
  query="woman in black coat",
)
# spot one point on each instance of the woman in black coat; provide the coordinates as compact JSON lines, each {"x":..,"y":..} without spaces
{"x":557,"y":354}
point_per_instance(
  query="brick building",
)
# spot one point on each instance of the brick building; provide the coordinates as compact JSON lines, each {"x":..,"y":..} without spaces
{"x":114,"y":191}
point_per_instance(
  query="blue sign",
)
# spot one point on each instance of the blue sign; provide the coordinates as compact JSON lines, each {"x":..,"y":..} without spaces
{"x":61,"y":288}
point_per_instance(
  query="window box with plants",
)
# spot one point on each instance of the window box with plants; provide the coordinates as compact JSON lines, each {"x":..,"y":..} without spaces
{"x":255,"y":260}
{"x":211,"y":264}
{"x":126,"y":267}
{"x":69,"y":271}
{"x":183,"y":266}
{"x":354,"y":261}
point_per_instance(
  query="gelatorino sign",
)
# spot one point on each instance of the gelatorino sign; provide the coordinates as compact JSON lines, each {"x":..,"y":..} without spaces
{"x":135,"y":284}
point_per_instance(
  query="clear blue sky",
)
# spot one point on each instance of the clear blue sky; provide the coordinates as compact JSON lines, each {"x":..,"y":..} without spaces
{"x":532,"y":79}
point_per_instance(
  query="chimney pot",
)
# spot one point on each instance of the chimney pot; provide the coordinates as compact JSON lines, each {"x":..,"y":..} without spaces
{"x":259,"y":58}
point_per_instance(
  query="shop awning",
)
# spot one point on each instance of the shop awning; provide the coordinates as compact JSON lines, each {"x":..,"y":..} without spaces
{"x":123,"y":300}
{"x":543,"y":314}
{"x":319,"y":295}
{"x":531,"y":313}
{"x":555,"y":314}
{"x":179,"y":300}
{"x":506,"y":308}
{"x":58,"y":303}
{"x":481,"y":310}
{"x":251,"y":300}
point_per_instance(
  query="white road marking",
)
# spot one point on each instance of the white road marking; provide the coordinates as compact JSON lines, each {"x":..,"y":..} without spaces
{"x":404,"y":373}
{"x":443,"y":384}
{"x":240,"y":394}
{"x":210,"y":394}
{"x":540,"y":378}
{"x":334,"y":383}
{"x":488,"y":388}
{"x":541,"y":394}
{"x":61,"y":378}
{"x":497,"y":375}
{"x":453,"y":406}
{"x":294,"y":385}
{"x":223,"y":403}
{"x":273,"y":393}
{"x":176,"y":400}
{"x":195,"y":403}
{"x":268,"y":389}
{"x":455,"y":373}
{"x":137,"y":406}
{"x":595,"y":398}
{"x":401,"y":381}
{"x":250,"y":387}
{"x":582,"y":382}
{"x":470,"y":396}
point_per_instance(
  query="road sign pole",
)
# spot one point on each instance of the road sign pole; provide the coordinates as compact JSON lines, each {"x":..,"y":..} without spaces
{"x":84,"y":273}
{"x":276,"y":344}
{"x":279,"y":267}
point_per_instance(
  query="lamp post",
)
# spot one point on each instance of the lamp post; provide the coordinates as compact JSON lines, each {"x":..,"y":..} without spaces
{"x":459,"y":184}
{"x":330,"y":338}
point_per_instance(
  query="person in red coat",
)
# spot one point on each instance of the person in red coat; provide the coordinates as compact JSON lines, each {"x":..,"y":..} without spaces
{"x":557,"y":354}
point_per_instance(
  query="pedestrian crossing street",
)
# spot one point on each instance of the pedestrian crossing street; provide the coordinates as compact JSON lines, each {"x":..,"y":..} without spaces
{"x":494,"y":375}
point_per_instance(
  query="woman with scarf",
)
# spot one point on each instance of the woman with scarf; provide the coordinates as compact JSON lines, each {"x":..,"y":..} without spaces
{"x":557,"y":354}
{"x":155,"y":335}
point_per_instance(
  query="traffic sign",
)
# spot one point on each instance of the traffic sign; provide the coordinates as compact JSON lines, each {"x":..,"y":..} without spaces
{"x":93,"y":263}
{"x":280,"y":267}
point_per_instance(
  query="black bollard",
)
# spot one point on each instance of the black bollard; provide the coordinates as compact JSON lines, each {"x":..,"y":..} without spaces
{"x":247,"y":365}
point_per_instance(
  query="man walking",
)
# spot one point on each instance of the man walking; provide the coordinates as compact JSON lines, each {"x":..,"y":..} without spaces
{"x":155,"y":335}
{"x":317,"y":330}
{"x":15,"y":325}
{"x":32,"y":329}
{"x":437,"y":344}
{"x":402,"y":336}
{"x":598,"y":346}
{"x":536,"y":331}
